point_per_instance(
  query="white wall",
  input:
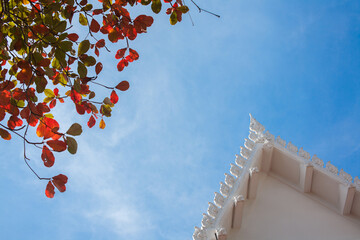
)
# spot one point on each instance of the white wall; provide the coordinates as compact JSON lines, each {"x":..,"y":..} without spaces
{"x":281,"y":213}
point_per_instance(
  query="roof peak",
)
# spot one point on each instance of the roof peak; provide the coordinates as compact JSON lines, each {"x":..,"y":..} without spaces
{"x":258,"y":138}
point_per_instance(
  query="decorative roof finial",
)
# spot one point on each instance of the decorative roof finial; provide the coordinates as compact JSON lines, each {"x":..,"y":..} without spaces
{"x":255,"y":126}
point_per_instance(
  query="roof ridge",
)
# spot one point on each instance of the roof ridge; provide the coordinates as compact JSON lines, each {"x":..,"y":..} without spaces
{"x":242,"y":165}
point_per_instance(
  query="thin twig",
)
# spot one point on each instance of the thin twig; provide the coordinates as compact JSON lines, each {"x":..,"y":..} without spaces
{"x":201,"y":9}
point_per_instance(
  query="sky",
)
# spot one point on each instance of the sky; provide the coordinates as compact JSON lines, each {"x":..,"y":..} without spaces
{"x":294,"y":65}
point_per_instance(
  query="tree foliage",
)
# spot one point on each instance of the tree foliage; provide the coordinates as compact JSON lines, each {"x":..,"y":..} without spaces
{"x":44,"y":62}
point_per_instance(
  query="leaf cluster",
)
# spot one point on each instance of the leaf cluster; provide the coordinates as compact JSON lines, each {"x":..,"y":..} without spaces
{"x":44,"y":63}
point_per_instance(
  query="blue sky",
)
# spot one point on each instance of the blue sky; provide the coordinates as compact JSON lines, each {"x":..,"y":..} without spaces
{"x":150,"y":173}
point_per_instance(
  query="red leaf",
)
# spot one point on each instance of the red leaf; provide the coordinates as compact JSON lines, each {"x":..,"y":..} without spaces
{"x":132,"y":33}
{"x":30,"y":118}
{"x":100,"y":43}
{"x":25,"y":75}
{"x":133,"y":54}
{"x":57,"y":145}
{"x":47,"y":156}
{"x":94,"y":26}
{"x":52,"y":103}
{"x":80,"y":109}
{"x":73,"y":37}
{"x":75,"y":96}
{"x":114,"y":97}
{"x":97,"y":11}
{"x":91,"y":122}
{"x":123,"y":86}
{"x":98,"y":68}
{"x":59,"y":181}
{"x":120,"y":53}
{"x":97,"y":51}
{"x":123,"y":63}
{"x":49,"y":191}
{"x":2,"y":114}
{"x":146,"y":20}
{"x":14,"y":122}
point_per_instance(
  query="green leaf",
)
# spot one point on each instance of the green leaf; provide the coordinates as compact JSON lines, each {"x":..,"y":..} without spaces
{"x":82,"y":20}
{"x":173,"y":18}
{"x":77,"y":86}
{"x":60,"y":56}
{"x":37,"y":57}
{"x":156,"y":6}
{"x":183,"y":9}
{"x":74,"y":130}
{"x":145,"y":2}
{"x":88,"y":7}
{"x":60,"y":27}
{"x":83,"y":47}
{"x":66,"y":46}
{"x":72,"y":145}
{"x":41,"y":83}
{"x":82,"y":70}
{"x":89,"y":61}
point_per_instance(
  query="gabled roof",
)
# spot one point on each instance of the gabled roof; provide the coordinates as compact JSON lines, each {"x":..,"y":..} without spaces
{"x":263,"y":154}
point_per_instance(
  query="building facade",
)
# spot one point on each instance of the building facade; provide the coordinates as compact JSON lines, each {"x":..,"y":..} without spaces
{"x":275,"y":191}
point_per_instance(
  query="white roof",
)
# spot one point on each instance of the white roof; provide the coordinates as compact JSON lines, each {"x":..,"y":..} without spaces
{"x":261,"y":152}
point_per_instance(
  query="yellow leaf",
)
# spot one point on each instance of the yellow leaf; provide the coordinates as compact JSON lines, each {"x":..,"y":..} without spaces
{"x":49,"y":93}
{"x":102,"y":124}
{"x":47,"y":99}
{"x":49,"y":115}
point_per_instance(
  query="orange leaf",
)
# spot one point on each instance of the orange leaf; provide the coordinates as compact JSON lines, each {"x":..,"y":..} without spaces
{"x":49,"y":191}
{"x":102,"y":124}
{"x":47,"y":156}
{"x":48,"y":128}
{"x":123,"y":86}
{"x":91,"y":122}
{"x":57,"y":145}
{"x":59,"y":181}
{"x":5,"y":134}
{"x":114,"y":97}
